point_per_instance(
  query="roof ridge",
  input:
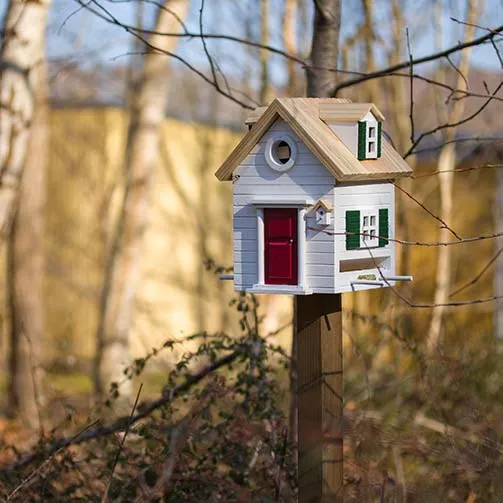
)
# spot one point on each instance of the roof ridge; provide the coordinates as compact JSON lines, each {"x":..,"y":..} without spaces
{"x":303,"y":117}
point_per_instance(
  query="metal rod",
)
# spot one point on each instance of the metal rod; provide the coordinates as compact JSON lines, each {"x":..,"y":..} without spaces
{"x":226,"y":277}
{"x":398,"y":278}
{"x":367,"y":282}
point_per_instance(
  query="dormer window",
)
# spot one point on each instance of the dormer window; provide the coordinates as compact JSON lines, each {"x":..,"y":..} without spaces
{"x":369,"y":139}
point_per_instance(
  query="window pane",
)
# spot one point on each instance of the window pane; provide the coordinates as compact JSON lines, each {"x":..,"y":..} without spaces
{"x":372,"y":233}
{"x":365,"y":221}
{"x":372,"y":220}
{"x":372,"y":146}
{"x":372,"y":132}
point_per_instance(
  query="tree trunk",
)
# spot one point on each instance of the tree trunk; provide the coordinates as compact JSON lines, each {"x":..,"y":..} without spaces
{"x":321,"y":77}
{"x":21,"y":51}
{"x":446,"y":164}
{"x":23,"y":158}
{"x":123,"y":268}
{"x":266,"y":94}
{"x":498,"y":244}
{"x":290,"y":44}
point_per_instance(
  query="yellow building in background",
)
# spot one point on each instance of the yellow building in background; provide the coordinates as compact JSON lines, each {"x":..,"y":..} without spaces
{"x":190,"y":221}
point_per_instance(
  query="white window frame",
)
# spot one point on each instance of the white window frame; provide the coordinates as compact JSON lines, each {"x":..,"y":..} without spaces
{"x":371,"y":140}
{"x":369,"y":225}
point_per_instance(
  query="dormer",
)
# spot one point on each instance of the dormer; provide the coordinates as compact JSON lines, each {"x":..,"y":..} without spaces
{"x":358,"y":125}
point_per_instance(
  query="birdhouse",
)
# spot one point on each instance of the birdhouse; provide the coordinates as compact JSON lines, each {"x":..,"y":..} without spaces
{"x":322,"y":211}
{"x":313,"y":198}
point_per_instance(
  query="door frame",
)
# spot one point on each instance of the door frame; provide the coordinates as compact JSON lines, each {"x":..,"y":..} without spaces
{"x":301,"y":246}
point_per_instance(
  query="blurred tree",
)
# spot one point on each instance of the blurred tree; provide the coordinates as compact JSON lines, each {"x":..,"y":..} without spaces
{"x":446,"y":166}
{"x":289,"y":41}
{"x":23,"y":147}
{"x":123,"y":267}
{"x":266,"y":94}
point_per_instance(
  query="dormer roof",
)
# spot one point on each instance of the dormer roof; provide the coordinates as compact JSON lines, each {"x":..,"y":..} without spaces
{"x":348,"y":112}
{"x":321,"y":203}
{"x":303,"y":116}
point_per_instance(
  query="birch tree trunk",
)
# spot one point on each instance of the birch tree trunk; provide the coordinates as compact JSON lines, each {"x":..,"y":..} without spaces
{"x":123,"y":267}
{"x":21,"y":51}
{"x":24,"y":137}
{"x":446,"y":165}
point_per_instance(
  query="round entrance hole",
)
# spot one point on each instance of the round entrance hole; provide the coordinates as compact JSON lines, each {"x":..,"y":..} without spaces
{"x":280,"y":152}
{"x":283,"y":152}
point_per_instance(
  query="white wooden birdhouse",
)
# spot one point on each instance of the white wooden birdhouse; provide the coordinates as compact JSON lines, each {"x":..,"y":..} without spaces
{"x":323,"y":213}
{"x":313,"y":202}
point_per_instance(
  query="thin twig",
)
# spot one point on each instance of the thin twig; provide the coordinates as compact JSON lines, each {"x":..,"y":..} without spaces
{"x":444,"y":224}
{"x":479,"y":275}
{"x":411,"y":73}
{"x":121,"y":446}
{"x":425,"y":59}
{"x":457,"y":170}
{"x":35,"y":472}
{"x":120,"y":424}
{"x":448,"y":125}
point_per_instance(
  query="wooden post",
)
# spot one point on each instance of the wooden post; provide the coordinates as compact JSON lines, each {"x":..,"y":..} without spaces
{"x":320,"y":387}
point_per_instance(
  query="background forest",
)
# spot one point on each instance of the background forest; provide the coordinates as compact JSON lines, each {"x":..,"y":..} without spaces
{"x":128,"y":370}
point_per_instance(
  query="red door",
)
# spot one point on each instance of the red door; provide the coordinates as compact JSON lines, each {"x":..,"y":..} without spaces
{"x":280,"y":243}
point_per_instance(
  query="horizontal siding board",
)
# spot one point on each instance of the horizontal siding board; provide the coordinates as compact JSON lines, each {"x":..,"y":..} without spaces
{"x":246,"y":244}
{"x":363,"y":189}
{"x":319,"y":247}
{"x":271,"y":189}
{"x":306,"y":170}
{"x":246,"y":269}
{"x":319,"y":257}
{"x":241,"y":223}
{"x":320,"y":270}
{"x":260,"y":147}
{"x":319,"y":236}
{"x":302,"y":159}
{"x":321,"y":282}
{"x":245,"y":256}
{"x":283,"y":180}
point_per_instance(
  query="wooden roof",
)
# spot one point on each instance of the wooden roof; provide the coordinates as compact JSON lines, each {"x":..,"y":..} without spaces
{"x":321,"y":203}
{"x":303,"y":116}
{"x":349,"y":112}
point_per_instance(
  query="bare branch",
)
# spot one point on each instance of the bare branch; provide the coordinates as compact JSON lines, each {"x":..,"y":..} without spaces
{"x":95,"y":431}
{"x":425,"y":59}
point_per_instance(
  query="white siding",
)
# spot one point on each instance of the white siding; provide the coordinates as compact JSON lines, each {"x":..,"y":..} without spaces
{"x":362,"y":196}
{"x":307,"y":179}
{"x":348,"y":132}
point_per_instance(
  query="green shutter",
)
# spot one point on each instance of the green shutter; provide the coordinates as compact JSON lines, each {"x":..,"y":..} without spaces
{"x":352,"y":226}
{"x":379,"y":132}
{"x":362,"y":140}
{"x":383,"y":227}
